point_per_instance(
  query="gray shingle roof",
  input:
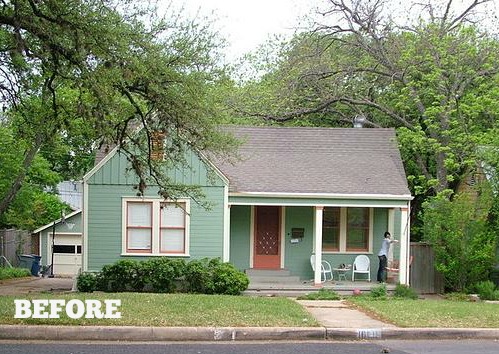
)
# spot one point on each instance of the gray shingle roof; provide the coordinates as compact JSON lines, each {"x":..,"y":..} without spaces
{"x":317,"y":160}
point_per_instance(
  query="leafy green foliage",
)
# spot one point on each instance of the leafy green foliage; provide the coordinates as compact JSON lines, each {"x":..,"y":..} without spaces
{"x":87,"y":282}
{"x":206,"y":276}
{"x":487,"y":290}
{"x":322,"y":294}
{"x":379,"y":292}
{"x":80,"y":74}
{"x":32,"y":206}
{"x":9,"y":273}
{"x":161,"y":273}
{"x":463,"y":241}
{"x":124,"y":275}
{"x":210,"y":276}
{"x":405,"y":292}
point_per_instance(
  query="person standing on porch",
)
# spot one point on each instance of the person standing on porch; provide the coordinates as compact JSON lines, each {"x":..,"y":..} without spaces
{"x":383,"y":257}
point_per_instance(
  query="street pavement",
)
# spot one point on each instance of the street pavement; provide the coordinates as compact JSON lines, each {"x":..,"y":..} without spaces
{"x":338,"y":322}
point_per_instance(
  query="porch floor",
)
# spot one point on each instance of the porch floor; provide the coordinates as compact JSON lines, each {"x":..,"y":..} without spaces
{"x":294,"y":289}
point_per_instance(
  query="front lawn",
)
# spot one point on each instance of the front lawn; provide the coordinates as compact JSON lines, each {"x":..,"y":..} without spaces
{"x":139,"y":309}
{"x":431,"y":313}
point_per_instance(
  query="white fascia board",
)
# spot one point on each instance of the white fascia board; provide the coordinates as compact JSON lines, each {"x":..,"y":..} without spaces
{"x":323,"y":195}
{"x":41,"y":228}
{"x":100,"y":164}
{"x":214,"y":167}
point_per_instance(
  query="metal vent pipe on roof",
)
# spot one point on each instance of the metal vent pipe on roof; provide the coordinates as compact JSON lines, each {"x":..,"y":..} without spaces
{"x":359,"y":120}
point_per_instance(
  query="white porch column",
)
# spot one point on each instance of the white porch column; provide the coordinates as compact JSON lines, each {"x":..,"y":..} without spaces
{"x":404,"y":245}
{"x":318,"y":215}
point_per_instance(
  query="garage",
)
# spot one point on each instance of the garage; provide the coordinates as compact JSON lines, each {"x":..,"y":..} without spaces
{"x":67,"y":254}
{"x":66,"y":236}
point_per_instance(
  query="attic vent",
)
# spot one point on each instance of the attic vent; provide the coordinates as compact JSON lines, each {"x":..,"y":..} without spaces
{"x":359,"y":120}
{"x":157,"y":145}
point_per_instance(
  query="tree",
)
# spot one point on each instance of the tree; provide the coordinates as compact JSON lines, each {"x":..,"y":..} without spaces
{"x":93,"y":69}
{"x":434,"y":79}
{"x":33,"y":205}
{"x":463,"y":237}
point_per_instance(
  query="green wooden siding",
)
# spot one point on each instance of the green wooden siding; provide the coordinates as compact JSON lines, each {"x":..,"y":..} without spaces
{"x":112,"y":182}
{"x":240,"y":226}
{"x":115,"y":171}
{"x":297,"y":255}
{"x":105,"y":225}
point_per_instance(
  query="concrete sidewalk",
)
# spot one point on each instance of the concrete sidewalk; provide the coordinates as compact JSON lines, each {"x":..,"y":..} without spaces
{"x":338,"y":322}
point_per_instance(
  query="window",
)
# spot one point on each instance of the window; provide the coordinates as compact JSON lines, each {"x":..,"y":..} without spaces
{"x":139,"y":227}
{"x":172,"y":227}
{"x":331,"y":229}
{"x":155,"y":227}
{"x":357,"y":229}
{"x":347,"y":229}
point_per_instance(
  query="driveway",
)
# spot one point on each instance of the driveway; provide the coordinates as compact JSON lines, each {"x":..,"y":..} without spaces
{"x":35,"y":285}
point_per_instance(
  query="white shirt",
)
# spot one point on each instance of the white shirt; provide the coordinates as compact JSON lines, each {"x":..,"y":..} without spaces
{"x":385,"y":247}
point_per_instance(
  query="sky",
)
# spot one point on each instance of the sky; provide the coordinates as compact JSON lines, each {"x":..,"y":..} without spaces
{"x":246,"y":24}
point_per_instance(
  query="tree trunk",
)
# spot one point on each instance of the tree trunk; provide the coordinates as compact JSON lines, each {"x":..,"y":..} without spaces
{"x":11,"y":193}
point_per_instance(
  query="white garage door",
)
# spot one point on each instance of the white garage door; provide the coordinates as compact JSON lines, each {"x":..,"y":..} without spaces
{"x":67,"y":254}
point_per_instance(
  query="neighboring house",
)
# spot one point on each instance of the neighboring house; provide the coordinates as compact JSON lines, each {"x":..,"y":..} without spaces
{"x":66,"y":238}
{"x":70,"y":192}
{"x":295,"y":192}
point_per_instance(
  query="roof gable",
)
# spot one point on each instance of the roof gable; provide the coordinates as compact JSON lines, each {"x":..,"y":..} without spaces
{"x":316,"y":160}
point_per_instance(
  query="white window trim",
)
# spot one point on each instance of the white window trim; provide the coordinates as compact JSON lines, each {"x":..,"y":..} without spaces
{"x":343,"y":233}
{"x":156,"y":230}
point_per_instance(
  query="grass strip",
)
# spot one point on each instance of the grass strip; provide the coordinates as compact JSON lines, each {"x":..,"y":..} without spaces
{"x":431,"y":313}
{"x":168,"y":310}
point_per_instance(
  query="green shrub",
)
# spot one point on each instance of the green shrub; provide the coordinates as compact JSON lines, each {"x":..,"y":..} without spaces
{"x":161,"y":273}
{"x":487,"y":290}
{"x":228,"y":280}
{"x":379,"y":292}
{"x":87,"y":282}
{"x":405,"y":292}
{"x":322,"y":294}
{"x":207,"y":276}
{"x":463,"y":240}
{"x":9,"y":273}
{"x":198,"y":277}
{"x":124,"y":275}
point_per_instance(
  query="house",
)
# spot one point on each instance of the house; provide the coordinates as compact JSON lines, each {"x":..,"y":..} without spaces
{"x":295,"y":192}
{"x":64,"y":237}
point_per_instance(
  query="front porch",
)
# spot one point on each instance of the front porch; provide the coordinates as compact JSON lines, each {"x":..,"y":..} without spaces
{"x":305,"y":287}
{"x":282,"y":283}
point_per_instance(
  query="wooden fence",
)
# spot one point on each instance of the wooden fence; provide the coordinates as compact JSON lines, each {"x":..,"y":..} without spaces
{"x":424,"y":277}
{"x":12,"y":243}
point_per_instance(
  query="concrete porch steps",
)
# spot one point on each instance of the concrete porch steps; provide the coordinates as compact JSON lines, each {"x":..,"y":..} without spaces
{"x":264,"y":276}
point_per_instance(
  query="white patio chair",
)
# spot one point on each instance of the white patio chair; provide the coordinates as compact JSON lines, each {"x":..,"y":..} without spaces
{"x":325,"y":268}
{"x":361,"y":265}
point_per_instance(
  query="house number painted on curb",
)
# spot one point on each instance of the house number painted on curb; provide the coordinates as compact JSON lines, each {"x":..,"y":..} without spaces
{"x":74,"y":308}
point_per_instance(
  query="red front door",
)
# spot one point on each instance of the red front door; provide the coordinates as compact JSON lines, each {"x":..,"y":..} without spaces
{"x":267,"y":248}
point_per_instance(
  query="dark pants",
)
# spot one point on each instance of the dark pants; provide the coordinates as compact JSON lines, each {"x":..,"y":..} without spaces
{"x":383,"y":263}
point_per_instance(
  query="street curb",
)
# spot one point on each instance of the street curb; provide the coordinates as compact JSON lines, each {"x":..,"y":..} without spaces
{"x":411,"y":333}
{"x":132,"y":333}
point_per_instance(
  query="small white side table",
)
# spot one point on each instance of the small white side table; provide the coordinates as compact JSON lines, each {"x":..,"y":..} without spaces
{"x":342,"y":272}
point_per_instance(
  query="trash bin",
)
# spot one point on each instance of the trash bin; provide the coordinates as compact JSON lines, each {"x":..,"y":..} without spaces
{"x":26,"y":261}
{"x":35,"y":267}
{"x":31,"y":262}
